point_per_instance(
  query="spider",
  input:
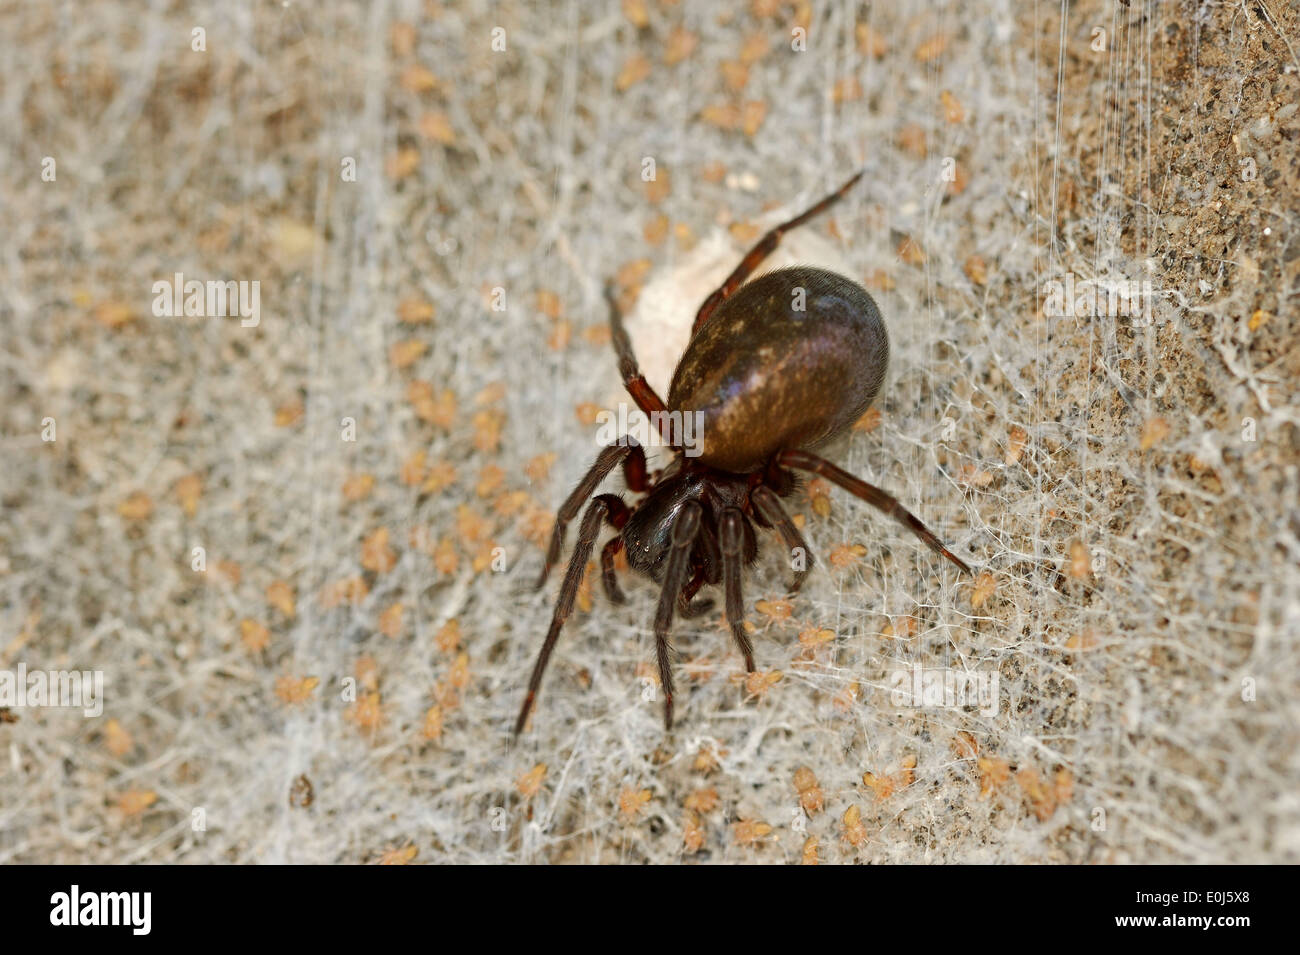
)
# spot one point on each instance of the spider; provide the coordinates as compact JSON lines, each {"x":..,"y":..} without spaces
{"x":775,"y":367}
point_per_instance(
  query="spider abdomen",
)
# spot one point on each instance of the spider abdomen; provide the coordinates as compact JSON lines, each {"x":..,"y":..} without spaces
{"x":791,"y":360}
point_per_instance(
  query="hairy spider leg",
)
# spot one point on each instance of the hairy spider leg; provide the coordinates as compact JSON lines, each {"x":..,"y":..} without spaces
{"x":685,"y":529}
{"x":607,"y":575}
{"x":759,"y":252}
{"x":688,"y":608}
{"x":646,"y":398}
{"x":769,"y":505}
{"x":732,"y":532}
{"x":587,"y":532}
{"x":806,"y":461}
{"x":619,"y":512}
{"x":632,"y":455}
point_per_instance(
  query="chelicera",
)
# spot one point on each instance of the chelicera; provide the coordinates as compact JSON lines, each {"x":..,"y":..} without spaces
{"x":775,"y":368}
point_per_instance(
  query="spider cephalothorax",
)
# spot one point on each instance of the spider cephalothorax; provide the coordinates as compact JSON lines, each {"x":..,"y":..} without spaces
{"x":774,"y":367}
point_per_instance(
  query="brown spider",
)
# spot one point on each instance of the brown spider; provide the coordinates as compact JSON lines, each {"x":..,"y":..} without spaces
{"x":782,"y":364}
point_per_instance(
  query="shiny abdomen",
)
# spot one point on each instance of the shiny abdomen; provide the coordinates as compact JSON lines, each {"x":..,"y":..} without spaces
{"x":768,"y":375}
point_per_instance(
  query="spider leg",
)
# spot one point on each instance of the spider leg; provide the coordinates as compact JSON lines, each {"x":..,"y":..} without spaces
{"x":683,"y":537}
{"x":806,"y":461}
{"x":631,"y":454}
{"x":707,"y":561}
{"x":762,"y":250}
{"x":634,"y":468}
{"x":618,"y":514}
{"x":687,"y":607}
{"x":587,"y":532}
{"x":607,"y":576}
{"x":769,"y":505}
{"x":733,"y":538}
{"x":646,"y":398}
